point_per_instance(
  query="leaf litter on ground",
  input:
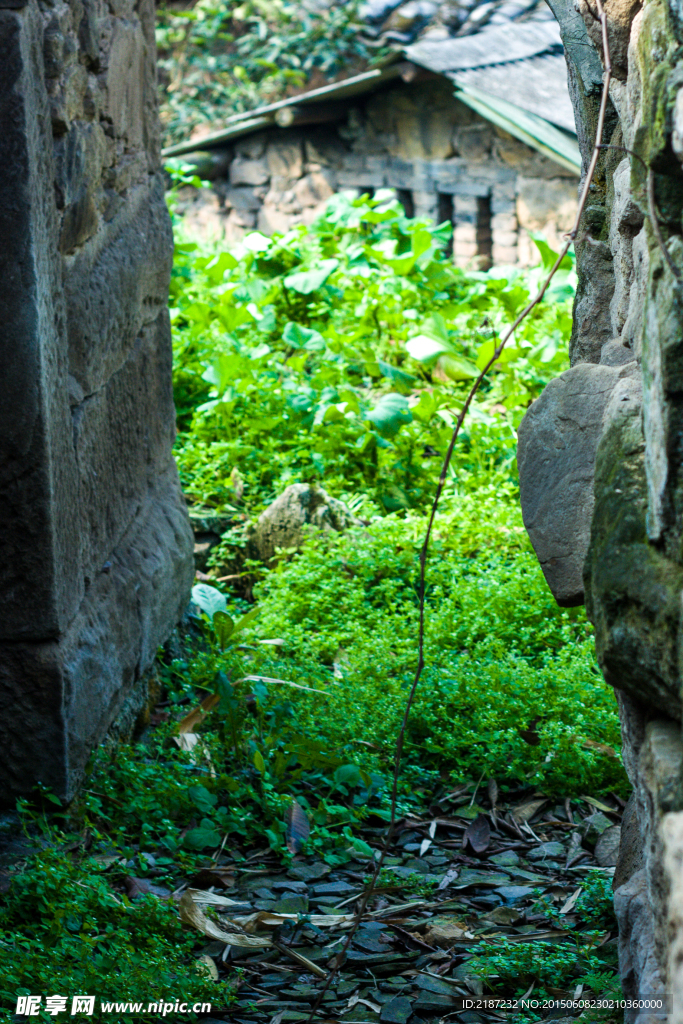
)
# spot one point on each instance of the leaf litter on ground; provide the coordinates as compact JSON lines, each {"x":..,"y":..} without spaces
{"x":278,"y":923}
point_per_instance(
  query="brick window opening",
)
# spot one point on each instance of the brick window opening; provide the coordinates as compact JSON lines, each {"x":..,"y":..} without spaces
{"x":444,"y":211}
{"x":472,"y":236}
{"x":484,"y":233}
{"x":405,"y":198}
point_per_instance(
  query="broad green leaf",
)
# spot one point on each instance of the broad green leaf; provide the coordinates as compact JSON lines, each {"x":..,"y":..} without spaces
{"x":347,"y":775}
{"x":436,"y":327}
{"x":256,"y":242}
{"x":390,"y":414}
{"x":245,"y":620}
{"x":360,"y":846}
{"x":202,"y":837}
{"x":223,"y":627}
{"x":303,"y":337}
{"x":457,"y":367}
{"x":259,"y":763}
{"x":424,"y":348}
{"x":307,"y":281}
{"x":203,"y":800}
{"x":549,"y":256}
{"x":426,"y":407}
{"x":209,"y":599}
{"x":395,"y":374}
{"x":420,"y":241}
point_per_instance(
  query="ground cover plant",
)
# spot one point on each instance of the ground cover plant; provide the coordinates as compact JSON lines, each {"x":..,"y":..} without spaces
{"x":339,"y":356}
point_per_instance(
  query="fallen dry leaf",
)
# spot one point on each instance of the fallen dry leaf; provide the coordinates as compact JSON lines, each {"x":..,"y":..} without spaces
{"x":210,"y":964}
{"x":299,"y":958}
{"x":187,"y":740}
{"x":571,"y":902}
{"x":223,"y":877}
{"x":444,"y":931}
{"x":525,"y":811}
{"x":477,"y":835}
{"x":198,"y":714}
{"x":599,"y":804}
{"x":599,"y":748}
{"x":211,"y":899}
{"x":192,"y":915}
{"x":297,"y":827}
{"x":136,"y":887}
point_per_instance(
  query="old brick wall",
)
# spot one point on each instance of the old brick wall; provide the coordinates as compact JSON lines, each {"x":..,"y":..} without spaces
{"x":440,"y":157}
{"x":95,"y":547}
{"x":605,"y":439}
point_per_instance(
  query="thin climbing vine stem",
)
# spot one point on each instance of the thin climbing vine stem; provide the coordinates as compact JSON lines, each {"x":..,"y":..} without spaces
{"x":570,"y":238}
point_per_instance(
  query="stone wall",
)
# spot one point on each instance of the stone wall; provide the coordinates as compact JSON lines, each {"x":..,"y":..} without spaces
{"x":606,"y":437}
{"x":95,"y":546}
{"x":443,"y":161}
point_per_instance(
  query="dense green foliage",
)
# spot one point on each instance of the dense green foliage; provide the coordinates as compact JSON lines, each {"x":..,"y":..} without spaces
{"x":340,"y":356}
{"x":61,"y":934}
{"x":216,"y":58}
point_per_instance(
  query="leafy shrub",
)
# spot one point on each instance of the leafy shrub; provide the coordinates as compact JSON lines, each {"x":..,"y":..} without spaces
{"x":232,"y":56}
{"x":341,"y":355}
{"x":500,"y":657}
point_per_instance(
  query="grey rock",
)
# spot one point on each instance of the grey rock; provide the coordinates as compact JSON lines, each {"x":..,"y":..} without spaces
{"x":290,"y":903}
{"x":546,"y":851}
{"x":95,"y":548}
{"x":244,"y":171}
{"x":512,"y":894}
{"x":397,"y":1011}
{"x":334,"y":889}
{"x":640,"y":970}
{"x":557,"y":443}
{"x":630,"y":856}
{"x":309,"y":872}
{"x":301,"y":508}
{"x":506,"y":859}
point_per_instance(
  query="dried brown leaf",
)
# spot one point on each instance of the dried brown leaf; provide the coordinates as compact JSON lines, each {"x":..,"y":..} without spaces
{"x":300,"y":959}
{"x":477,"y":835}
{"x":136,"y":887}
{"x":525,"y":811}
{"x":297,"y":827}
{"x":210,"y":965}
{"x":192,"y":915}
{"x":223,"y":877}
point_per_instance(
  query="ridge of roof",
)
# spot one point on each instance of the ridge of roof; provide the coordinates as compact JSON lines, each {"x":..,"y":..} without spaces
{"x":503,"y":44}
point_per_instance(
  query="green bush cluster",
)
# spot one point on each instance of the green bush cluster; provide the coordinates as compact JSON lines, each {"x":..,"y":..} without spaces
{"x":341,"y":355}
{"x":63,"y":930}
{"x":218,"y":57}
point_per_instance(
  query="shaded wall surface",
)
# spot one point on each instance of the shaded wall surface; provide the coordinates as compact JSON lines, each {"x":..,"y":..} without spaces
{"x":95,"y":548}
{"x":442,"y":159}
{"x":601,"y":455}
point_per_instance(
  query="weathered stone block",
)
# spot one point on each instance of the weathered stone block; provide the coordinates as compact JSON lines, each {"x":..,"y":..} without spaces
{"x":95,"y":547}
{"x":557,"y":444}
{"x":540,"y":202}
{"x":298,"y":510}
{"x":314,"y":188}
{"x":284,"y":157}
{"x":249,"y":172}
